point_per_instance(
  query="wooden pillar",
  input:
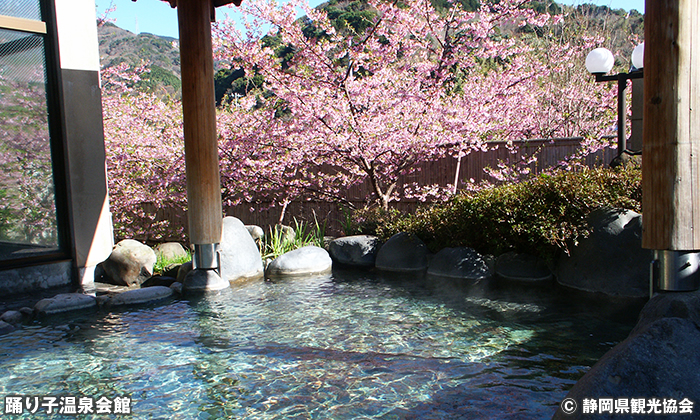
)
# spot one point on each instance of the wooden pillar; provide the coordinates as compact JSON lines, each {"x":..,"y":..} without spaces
{"x":201,"y":152}
{"x":670,"y":168}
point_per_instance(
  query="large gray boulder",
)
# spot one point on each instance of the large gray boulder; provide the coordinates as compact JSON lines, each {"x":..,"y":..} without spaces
{"x":305,"y":261}
{"x":611,"y":260}
{"x":170,"y":251}
{"x":403,"y":253}
{"x":355,"y":251}
{"x":459,"y":263}
{"x":256,"y":232}
{"x":130,"y":263}
{"x":659,"y":359}
{"x":284,"y":232}
{"x":240,"y":257}
{"x":523,"y":268}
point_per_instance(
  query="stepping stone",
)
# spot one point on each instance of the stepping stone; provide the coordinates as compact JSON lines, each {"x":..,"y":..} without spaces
{"x":140,"y":296}
{"x":65,"y":302}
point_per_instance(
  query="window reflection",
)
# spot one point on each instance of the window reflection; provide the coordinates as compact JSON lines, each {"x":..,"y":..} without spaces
{"x":25,"y":9}
{"x":28,"y":223}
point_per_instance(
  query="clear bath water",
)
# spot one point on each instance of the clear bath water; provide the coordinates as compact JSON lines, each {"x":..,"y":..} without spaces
{"x":340,"y":347}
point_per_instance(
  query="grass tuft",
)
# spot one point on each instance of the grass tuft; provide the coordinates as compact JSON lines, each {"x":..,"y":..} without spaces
{"x":278,"y":241}
{"x":162,"y":263}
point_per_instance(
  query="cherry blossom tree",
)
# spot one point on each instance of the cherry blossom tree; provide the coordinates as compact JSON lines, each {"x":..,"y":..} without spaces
{"x":355,"y":107}
{"x":145,"y":155}
{"x":346,"y":107}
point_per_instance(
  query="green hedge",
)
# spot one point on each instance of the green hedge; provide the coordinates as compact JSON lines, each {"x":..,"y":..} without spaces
{"x":540,"y":216}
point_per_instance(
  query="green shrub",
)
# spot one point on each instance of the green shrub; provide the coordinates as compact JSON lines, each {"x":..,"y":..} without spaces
{"x":540,"y":216}
{"x":372,"y":221}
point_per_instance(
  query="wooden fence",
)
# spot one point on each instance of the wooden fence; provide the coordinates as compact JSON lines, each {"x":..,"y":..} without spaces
{"x":441,"y":172}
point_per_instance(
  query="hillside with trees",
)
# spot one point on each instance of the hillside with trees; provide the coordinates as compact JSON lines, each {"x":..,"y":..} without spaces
{"x":623,"y":31}
{"x":161,"y":54}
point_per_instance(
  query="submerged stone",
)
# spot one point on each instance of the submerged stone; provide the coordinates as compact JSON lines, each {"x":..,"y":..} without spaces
{"x":403,"y":252}
{"x":459,"y":263}
{"x":65,"y":302}
{"x":308,"y":260}
{"x":522,"y":268}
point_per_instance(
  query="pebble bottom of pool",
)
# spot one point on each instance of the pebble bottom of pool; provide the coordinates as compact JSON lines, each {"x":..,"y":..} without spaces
{"x":335,"y":347}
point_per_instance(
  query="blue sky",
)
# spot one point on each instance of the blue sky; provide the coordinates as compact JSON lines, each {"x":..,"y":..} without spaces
{"x":156,"y":16}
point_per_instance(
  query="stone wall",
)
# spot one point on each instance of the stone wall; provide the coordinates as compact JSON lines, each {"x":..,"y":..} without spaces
{"x":28,"y":279}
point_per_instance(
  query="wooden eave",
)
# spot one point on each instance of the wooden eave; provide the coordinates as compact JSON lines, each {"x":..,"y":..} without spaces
{"x":217,"y":3}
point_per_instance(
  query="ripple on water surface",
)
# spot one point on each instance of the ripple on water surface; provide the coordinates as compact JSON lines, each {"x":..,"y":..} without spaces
{"x":314,"y":348}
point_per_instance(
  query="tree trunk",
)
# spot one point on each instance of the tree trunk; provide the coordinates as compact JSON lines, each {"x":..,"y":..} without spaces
{"x":284,"y":211}
{"x":459,"y":165}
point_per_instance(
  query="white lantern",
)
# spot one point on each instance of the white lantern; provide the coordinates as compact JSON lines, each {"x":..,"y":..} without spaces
{"x":638,"y":56}
{"x":600,"y":60}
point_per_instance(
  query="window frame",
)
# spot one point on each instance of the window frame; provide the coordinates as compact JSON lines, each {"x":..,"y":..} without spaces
{"x":47,"y":28}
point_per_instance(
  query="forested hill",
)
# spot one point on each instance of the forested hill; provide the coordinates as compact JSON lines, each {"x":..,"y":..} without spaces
{"x":162,"y":53}
{"x":118,"y":45}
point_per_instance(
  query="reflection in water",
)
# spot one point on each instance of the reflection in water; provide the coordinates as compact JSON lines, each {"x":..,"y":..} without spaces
{"x":317,"y":348}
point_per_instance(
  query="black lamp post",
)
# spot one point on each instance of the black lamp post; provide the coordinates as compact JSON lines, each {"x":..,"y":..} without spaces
{"x":599,"y":62}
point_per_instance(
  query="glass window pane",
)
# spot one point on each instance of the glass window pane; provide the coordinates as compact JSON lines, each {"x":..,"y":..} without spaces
{"x":28,"y":223}
{"x":26,"y":9}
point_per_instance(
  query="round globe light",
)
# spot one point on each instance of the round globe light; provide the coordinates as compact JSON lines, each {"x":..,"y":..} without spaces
{"x":638,"y":56}
{"x":600,"y":60}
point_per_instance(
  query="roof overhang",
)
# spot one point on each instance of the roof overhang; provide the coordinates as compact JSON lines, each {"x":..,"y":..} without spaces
{"x":217,"y":3}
